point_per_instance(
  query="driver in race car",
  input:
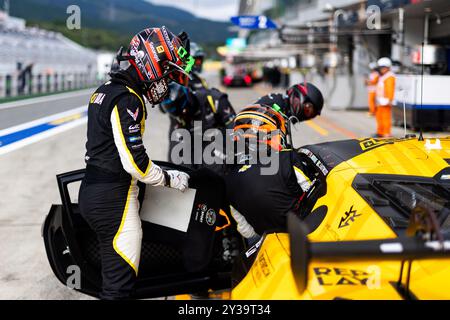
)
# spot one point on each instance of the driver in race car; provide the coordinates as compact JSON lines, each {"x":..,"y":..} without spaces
{"x":261,"y":202}
{"x":116,"y":159}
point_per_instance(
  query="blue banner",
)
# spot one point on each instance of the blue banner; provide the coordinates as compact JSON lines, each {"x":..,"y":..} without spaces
{"x":253,"y":22}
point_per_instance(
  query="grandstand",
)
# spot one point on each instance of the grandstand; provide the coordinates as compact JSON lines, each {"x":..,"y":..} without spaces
{"x":34,"y":61}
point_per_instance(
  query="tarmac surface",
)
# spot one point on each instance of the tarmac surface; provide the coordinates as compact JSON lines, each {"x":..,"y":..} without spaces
{"x":28,"y":185}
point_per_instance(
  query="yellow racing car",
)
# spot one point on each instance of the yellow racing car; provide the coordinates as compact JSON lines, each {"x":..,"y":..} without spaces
{"x":375,"y":225}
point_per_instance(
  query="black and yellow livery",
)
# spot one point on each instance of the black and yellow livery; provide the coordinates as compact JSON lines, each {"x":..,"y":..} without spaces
{"x":367,"y":191}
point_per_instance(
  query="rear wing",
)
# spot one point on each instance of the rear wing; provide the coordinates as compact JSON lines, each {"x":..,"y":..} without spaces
{"x":303,"y":252}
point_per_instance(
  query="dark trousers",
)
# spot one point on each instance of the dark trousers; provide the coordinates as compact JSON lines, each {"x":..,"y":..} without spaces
{"x":111,"y":210}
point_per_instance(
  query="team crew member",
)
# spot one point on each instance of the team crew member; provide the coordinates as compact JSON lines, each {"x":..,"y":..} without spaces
{"x":371,"y":84}
{"x":301,"y":102}
{"x":185,"y":106}
{"x":261,"y":202}
{"x":385,"y":98}
{"x":116,"y":158}
{"x":179,"y":105}
{"x":197,"y":82}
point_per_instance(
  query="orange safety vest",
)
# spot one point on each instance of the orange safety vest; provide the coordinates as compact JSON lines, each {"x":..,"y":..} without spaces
{"x":386,"y":89}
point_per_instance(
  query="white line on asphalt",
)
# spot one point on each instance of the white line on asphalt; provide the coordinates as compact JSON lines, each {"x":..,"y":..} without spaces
{"x":43,"y":120}
{"x":45,"y":134}
{"x":53,"y":97}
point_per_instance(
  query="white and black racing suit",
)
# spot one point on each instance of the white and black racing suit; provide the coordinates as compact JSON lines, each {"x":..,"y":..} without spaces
{"x":116,"y":160}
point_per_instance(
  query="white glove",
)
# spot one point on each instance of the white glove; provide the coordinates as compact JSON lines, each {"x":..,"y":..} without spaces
{"x":243,"y":227}
{"x":177,"y":180}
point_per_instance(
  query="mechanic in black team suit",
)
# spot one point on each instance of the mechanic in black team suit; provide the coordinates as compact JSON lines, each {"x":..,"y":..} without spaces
{"x":186,"y":107}
{"x":262,"y":201}
{"x":116,"y":157}
{"x":197,"y":102}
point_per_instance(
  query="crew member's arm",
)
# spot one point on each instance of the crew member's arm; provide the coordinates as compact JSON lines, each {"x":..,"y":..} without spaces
{"x":243,"y":227}
{"x":225,"y":111}
{"x":302,"y":179}
{"x":389,"y":89}
{"x":273,"y":98}
{"x":128,"y":121}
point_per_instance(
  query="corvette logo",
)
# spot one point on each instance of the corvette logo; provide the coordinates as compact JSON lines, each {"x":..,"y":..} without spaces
{"x":349,"y":216}
{"x":133,"y":115}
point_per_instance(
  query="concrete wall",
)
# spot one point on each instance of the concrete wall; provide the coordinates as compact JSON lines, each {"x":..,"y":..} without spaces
{"x":340,"y":91}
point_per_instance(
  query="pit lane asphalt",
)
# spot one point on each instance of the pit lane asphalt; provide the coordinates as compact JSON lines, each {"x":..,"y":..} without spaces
{"x":21,"y":111}
{"x":28,"y":185}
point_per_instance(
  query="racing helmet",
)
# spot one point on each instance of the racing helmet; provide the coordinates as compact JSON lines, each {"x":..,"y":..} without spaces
{"x":159,"y":57}
{"x":199,"y":55}
{"x":301,"y":94}
{"x":261,"y":124}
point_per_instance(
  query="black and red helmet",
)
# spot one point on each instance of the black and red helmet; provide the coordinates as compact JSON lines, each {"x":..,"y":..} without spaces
{"x":158,"y":57}
{"x":302,"y":93}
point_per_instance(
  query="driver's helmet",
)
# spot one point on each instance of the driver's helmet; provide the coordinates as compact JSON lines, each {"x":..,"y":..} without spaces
{"x":159,"y":57}
{"x":300,"y":96}
{"x":199,"y":55}
{"x":261,"y":124}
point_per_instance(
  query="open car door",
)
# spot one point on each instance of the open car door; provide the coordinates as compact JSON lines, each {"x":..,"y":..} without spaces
{"x":188,"y":240}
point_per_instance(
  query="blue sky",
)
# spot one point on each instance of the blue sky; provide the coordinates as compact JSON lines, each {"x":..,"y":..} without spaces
{"x":220,"y":10}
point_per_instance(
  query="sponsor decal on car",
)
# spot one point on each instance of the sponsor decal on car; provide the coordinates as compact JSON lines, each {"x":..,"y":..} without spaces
{"x":340,"y":276}
{"x":254,"y":248}
{"x":262,"y":267}
{"x":348,"y":217}
{"x":316,"y":161}
{"x":370,"y":143}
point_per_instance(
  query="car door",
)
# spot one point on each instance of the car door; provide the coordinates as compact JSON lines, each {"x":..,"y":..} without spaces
{"x":174,"y":259}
